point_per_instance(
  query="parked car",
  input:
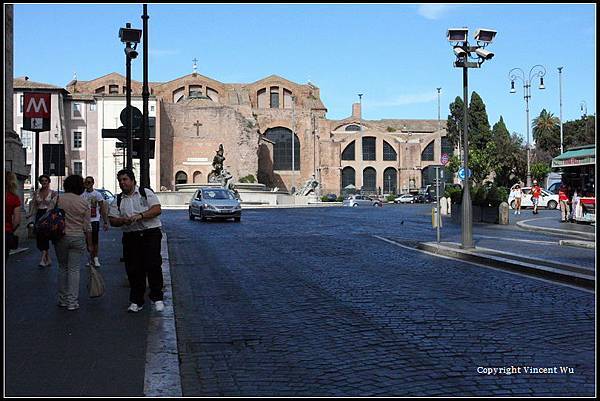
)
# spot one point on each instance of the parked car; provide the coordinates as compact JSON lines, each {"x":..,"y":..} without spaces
{"x":554,"y":188}
{"x":424,"y":198}
{"x":405,"y":198}
{"x":215,"y":203}
{"x":361,"y":200}
{"x":106,"y":194}
{"x":547,"y":200}
{"x":331,"y":197}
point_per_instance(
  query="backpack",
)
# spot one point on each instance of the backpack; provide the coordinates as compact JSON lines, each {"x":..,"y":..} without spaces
{"x":120,"y":195}
{"x":52,"y":224}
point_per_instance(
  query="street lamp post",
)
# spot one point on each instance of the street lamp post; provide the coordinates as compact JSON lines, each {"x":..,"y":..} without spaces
{"x":536,"y":71}
{"x":129,"y":36}
{"x":583,"y":106}
{"x":560,"y":104}
{"x":144,"y":158}
{"x":463,"y":52}
{"x":293,"y":144}
{"x":439,"y":122}
{"x":360,"y":135}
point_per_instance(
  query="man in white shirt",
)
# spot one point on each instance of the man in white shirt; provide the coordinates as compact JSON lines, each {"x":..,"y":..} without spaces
{"x":136,"y":211}
{"x":96,"y":202}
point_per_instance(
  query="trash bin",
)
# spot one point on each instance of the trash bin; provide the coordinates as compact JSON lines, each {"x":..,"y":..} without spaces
{"x":434,"y":217}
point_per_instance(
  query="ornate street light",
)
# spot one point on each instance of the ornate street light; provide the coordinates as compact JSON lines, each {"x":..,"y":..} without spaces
{"x":536,"y":71}
{"x":462,"y":50}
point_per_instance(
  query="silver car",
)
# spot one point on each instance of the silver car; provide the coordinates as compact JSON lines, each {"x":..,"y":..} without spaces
{"x":215,"y":203}
{"x":361,"y":200}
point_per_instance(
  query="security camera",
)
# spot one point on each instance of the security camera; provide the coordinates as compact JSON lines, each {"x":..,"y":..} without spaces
{"x":131,"y":53}
{"x":460,"y":52}
{"x":484,"y":54}
{"x":485,"y":35}
{"x":457,"y":34}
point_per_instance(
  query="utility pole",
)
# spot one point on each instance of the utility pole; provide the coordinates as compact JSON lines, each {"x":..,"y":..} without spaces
{"x":293,"y":143}
{"x":560,"y":103}
{"x":128,"y":103}
{"x":144,"y":159}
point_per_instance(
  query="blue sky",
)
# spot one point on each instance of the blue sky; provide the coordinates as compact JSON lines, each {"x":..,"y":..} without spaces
{"x":395,"y":54}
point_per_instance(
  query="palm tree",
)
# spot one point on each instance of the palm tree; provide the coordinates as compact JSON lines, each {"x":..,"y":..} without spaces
{"x":546,"y":132}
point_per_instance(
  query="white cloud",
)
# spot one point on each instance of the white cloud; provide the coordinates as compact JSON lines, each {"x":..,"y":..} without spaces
{"x":434,"y":11}
{"x":404,"y":100}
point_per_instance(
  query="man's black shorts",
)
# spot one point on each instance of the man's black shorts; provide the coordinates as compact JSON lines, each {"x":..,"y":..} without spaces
{"x":95,"y":230}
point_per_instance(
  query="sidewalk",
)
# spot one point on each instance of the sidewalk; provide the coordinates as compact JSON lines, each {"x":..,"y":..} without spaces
{"x":98,"y":350}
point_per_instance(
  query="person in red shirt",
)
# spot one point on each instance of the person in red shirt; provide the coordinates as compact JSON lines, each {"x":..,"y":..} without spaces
{"x":563,"y":199}
{"x":12,"y":212}
{"x":536,"y":193}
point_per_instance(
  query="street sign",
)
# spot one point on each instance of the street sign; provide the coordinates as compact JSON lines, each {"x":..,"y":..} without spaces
{"x":138,"y":117}
{"x":119,"y":133}
{"x":137,"y":149}
{"x":461,"y":173}
{"x":444,"y":159}
{"x":36,"y":111}
{"x":53,"y":162}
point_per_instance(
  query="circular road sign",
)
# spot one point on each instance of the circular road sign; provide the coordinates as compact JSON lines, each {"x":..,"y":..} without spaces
{"x":138,"y":117}
{"x":444,"y":159}
{"x":461,"y":173}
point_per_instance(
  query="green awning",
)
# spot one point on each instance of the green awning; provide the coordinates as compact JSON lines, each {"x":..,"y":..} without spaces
{"x":575,"y":157}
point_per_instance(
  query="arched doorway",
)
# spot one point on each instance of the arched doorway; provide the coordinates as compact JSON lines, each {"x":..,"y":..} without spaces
{"x":369,"y":180}
{"x":282,"y":148}
{"x":197,"y":177}
{"x":348,"y":178}
{"x":181,"y":177}
{"x":390,"y":178}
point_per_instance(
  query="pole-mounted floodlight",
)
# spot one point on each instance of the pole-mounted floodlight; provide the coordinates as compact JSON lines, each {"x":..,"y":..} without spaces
{"x":457,"y":34}
{"x":485,"y":36}
{"x":130,"y":35}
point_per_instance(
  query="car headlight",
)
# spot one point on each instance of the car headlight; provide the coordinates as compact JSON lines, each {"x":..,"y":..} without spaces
{"x":211,"y":207}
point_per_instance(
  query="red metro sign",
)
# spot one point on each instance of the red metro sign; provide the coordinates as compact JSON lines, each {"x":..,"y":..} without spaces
{"x":36,"y":111}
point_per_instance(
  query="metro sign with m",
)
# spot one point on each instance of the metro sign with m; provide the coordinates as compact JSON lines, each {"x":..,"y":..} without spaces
{"x":36,"y":111}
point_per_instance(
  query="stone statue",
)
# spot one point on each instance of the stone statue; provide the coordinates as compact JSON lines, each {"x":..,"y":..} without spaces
{"x":309,"y":186}
{"x":217,"y":164}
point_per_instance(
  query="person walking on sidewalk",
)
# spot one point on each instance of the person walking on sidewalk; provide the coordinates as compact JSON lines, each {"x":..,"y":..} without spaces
{"x":71,"y":246}
{"x":536,"y":193}
{"x":12,"y":212}
{"x":137,"y":211}
{"x":517,"y":194}
{"x":43,"y":199}
{"x":95,"y":202}
{"x":563,"y":198}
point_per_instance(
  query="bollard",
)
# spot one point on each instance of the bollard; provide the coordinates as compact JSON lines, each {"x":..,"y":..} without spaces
{"x":503,"y":213}
{"x":434,"y":218}
{"x":444,"y":206}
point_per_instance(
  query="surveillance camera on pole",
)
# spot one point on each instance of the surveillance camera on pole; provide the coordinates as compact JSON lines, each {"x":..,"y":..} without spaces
{"x":460,"y":52}
{"x":484,"y":54}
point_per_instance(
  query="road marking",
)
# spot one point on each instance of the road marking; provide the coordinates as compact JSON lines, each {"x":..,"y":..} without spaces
{"x":482,"y":265}
{"x":520,"y":240}
{"x":161,"y":376}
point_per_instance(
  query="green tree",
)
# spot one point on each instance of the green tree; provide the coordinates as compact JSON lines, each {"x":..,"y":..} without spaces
{"x":455,"y":121}
{"x":579,"y":132}
{"x":479,"y":126}
{"x":546,"y":132}
{"x":504,"y":154}
{"x":539,"y":171}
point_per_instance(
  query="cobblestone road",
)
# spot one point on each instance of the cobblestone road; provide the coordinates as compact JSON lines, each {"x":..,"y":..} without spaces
{"x":307,"y":302}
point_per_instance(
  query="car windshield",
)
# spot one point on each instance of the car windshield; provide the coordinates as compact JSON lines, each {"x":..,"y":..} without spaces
{"x":217,"y":194}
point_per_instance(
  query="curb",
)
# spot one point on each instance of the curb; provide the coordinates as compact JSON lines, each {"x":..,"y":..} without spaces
{"x":578,"y":244}
{"x":251,"y":207}
{"x":161,"y":375}
{"x":529,"y":227}
{"x":564,"y":273}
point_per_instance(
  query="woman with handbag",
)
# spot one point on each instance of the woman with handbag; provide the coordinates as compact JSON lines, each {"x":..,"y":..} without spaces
{"x":71,"y":246}
{"x":43,"y":200}
{"x":12,"y":213}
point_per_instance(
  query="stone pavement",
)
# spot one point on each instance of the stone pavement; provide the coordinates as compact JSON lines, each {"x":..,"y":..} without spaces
{"x":98,"y":350}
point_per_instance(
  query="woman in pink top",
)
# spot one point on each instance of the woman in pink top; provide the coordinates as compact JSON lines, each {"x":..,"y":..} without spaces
{"x":43,"y":199}
{"x":70,"y":248}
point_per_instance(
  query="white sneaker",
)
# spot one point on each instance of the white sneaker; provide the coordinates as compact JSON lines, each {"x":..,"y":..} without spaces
{"x":96,"y":262}
{"x":134,"y":308}
{"x":159,"y":306}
